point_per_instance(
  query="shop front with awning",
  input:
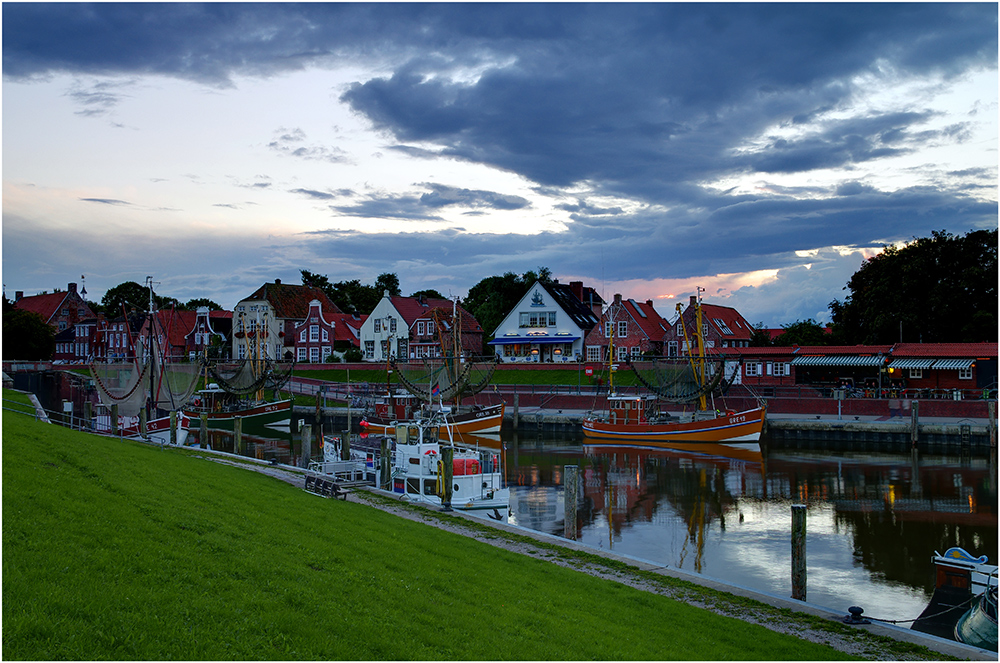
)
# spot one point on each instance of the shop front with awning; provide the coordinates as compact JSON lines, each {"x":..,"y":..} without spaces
{"x":536,"y":347}
{"x":839,"y":370}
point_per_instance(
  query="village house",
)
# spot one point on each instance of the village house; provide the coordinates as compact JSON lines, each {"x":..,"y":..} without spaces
{"x":264,"y":323}
{"x":411,"y":327}
{"x":60,"y":309}
{"x":323,"y":334}
{"x":549,"y":324}
{"x":721,"y":327}
{"x":635,"y":328}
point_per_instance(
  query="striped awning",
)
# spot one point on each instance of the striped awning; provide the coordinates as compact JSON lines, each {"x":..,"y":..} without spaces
{"x":911,"y":363}
{"x":537,"y":340}
{"x":953,"y":364}
{"x":837,"y":360}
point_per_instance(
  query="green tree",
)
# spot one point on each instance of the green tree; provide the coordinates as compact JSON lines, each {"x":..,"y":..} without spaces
{"x":388,"y":282}
{"x":128,"y":295}
{"x":803,"y":332}
{"x":195,"y":304}
{"x":353,"y":296}
{"x":936,"y":289}
{"x":429,"y":294}
{"x":26,"y":336}
{"x":760,"y":337}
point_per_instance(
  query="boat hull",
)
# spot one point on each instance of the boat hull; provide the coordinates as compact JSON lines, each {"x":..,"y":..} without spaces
{"x":265,"y":414}
{"x":736,"y":427}
{"x":482,"y":420}
{"x":157,"y":430}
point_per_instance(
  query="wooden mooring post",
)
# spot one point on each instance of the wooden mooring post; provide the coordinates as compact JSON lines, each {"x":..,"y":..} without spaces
{"x":173,"y":428}
{"x":515,"y":418}
{"x":115,"y":429}
{"x":447,"y":476}
{"x":203,"y":431}
{"x":914,"y":422}
{"x":385,"y":472}
{"x":306,"y":438}
{"x":237,"y":434}
{"x":345,"y":445}
{"x":991,"y":422}
{"x":799,"y":552}
{"x":571,"y":489}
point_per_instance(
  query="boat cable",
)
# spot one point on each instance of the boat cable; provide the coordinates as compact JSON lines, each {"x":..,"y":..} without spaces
{"x":856,"y":613}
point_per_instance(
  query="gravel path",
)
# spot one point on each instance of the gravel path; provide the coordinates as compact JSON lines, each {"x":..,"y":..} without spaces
{"x":863,"y":642}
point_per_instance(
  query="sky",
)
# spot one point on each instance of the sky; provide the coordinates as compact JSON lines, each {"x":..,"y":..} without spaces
{"x":758,"y":151}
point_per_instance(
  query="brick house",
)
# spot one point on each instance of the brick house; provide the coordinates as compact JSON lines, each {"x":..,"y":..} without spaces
{"x":208,"y":326}
{"x":638,"y":329}
{"x":264,"y":323}
{"x":314,"y":336}
{"x":404,"y":326}
{"x":722,"y":327}
{"x":60,"y":309}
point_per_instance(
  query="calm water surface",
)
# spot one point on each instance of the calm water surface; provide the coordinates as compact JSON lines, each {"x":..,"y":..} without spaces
{"x":873,"y":519}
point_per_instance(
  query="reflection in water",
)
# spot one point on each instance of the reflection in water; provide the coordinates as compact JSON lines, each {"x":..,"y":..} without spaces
{"x":873,"y":520}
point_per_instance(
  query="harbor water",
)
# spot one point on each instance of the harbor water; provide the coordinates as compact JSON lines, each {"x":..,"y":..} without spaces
{"x":873,"y":519}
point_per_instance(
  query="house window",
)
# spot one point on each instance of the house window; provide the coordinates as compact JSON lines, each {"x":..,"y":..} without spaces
{"x":671,"y":348}
{"x":781,"y":369}
{"x":384,"y":344}
{"x":607,"y":329}
{"x":241,"y":350}
{"x":636,"y":351}
{"x":593,"y":353}
{"x":753,"y":369}
{"x":369,"y":349}
{"x":622,"y":353}
{"x":965,"y":373}
{"x":916,"y":373}
{"x":378,"y":326}
{"x":302,"y":354}
{"x":622,"y":328}
{"x":314,"y":355}
{"x":302,"y":336}
{"x":313,"y":333}
{"x":326,"y":335}
{"x":326,"y":352}
{"x":392,"y":324}
{"x":430,"y":326}
{"x":62,"y":325}
{"x":420,"y":328}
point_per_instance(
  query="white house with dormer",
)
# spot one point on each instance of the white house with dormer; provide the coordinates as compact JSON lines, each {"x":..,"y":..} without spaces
{"x":548,"y":325}
{"x":385,"y":332}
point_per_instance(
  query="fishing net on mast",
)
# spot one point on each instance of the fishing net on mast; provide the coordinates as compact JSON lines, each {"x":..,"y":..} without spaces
{"x":453,"y":381}
{"x":246,"y":377}
{"x":675,"y":379}
{"x":129,"y":385}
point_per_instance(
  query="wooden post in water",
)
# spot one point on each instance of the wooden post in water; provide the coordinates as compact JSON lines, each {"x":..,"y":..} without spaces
{"x":173,"y":428}
{"x":203,"y":431}
{"x":142,"y":423}
{"x":88,"y":414}
{"x":799,"y":552}
{"x":447,"y":476}
{"x":114,"y":419}
{"x":385,"y":466}
{"x":515,"y":410}
{"x":345,"y":446}
{"x":571,"y":490}
{"x":237,"y":434}
{"x":914,"y":422}
{"x":991,"y":422}
{"x":306,"y":434}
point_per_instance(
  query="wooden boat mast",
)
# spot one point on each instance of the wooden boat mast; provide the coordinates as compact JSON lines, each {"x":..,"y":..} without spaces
{"x":699,"y":368}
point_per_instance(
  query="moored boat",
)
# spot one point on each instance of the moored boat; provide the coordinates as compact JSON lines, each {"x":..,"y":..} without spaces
{"x":477,"y":419}
{"x":964,"y":604}
{"x":221,"y":409}
{"x":638,"y":420}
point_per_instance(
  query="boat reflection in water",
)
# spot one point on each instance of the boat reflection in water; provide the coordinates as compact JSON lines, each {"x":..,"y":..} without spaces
{"x":726,"y":513}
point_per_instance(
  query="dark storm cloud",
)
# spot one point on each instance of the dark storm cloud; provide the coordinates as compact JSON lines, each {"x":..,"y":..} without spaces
{"x":644,"y":101}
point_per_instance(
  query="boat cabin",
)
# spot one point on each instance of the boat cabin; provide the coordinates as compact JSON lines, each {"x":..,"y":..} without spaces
{"x":398,"y":407}
{"x":631,"y":410}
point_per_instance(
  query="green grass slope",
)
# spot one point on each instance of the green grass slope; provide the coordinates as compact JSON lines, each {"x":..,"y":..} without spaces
{"x":117,"y":550}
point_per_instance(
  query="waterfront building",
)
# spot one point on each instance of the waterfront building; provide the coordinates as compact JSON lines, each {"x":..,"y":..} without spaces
{"x":722,"y":327}
{"x":264,"y":322}
{"x":411,"y":327}
{"x":636,"y":327}
{"x":549,"y":324}
{"x":60,"y":309}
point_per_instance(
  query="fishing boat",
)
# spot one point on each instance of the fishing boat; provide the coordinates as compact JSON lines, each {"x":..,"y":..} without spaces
{"x":221,"y":408}
{"x":964,"y":604}
{"x":637,"y":419}
{"x":418,"y":468}
{"x":147,"y":393}
{"x":447,"y":378}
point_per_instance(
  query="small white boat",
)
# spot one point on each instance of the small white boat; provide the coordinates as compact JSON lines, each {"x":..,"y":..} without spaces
{"x":964,"y":604}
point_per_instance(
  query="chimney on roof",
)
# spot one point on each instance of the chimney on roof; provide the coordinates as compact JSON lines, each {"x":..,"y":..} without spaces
{"x":17,"y":295}
{"x":618,"y":299}
{"x":576,"y":287}
{"x":649,"y":302}
{"x":71,"y":287}
{"x":277,"y":281}
{"x":694,"y":299}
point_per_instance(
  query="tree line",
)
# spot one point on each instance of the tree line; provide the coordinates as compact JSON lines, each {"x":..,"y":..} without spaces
{"x":937,"y":289}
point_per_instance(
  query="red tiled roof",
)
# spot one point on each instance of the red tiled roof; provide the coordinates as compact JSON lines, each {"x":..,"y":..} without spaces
{"x":963,"y":350}
{"x":47,"y":305}
{"x":824,"y":350}
{"x":291,"y":302}
{"x":413,"y":309}
{"x":644,"y":315}
{"x":343,"y":324}
{"x":730,"y":318}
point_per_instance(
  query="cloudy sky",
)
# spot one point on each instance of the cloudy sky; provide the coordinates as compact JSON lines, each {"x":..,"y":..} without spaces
{"x":758,"y":151}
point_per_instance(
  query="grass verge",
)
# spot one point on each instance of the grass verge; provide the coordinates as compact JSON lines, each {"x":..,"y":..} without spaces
{"x":117,"y":550}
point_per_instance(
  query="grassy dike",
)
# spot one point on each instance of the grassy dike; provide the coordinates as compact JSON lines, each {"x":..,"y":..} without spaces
{"x":118,"y":550}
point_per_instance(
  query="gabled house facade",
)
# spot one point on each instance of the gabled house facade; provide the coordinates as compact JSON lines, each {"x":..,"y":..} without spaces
{"x":264,"y":323}
{"x":60,"y":309}
{"x":722,"y":327}
{"x":209,"y":328}
{"x":409,"y":328}
{"x":314,"y":336}
{"x":549,"y":324}
{"x":632,"y":328}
